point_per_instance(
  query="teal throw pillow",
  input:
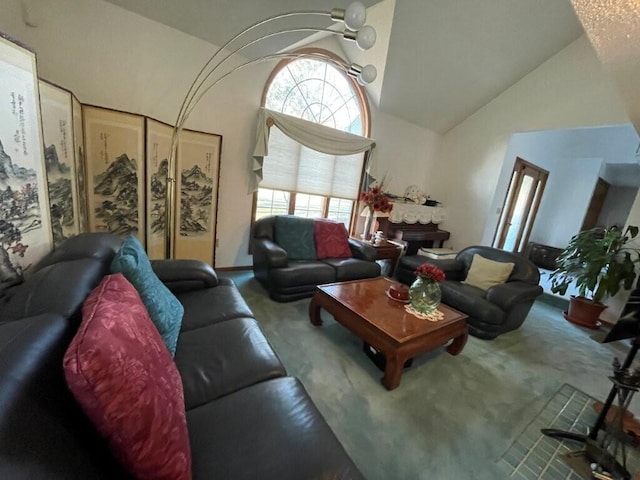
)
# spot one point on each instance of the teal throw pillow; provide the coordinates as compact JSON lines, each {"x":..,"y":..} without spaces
{"x":296,"y":236}
{"x":164,"y":308}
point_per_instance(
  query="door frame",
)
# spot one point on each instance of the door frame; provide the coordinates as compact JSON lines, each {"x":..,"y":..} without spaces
{"x":521,"y":168}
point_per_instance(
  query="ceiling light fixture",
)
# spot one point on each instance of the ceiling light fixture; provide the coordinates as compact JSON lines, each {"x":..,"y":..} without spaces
{"x":354,"y":16}
{"x":363,"y":75}
{"x":365,"y":38}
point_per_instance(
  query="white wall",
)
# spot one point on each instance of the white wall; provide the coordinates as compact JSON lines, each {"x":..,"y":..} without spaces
{"x":569,"y":90}
{"x":114,"y":58}
{"x":617,"y":205}
{"x":404,"y":152}
{"x":575,"y":154}
{"x":111,"y":57}
{"x":562,"y":209}
{"x":616,"y":304}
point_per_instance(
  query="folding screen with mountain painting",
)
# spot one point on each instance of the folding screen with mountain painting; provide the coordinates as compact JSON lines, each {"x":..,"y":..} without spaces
{"x":198,"y":166}
{"x":60,"y":163}
{"x":114,"y":144}
{"x":25,"y":228}
{"x":158,"y":143}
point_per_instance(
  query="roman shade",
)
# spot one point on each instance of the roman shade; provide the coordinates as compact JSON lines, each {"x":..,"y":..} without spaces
{"x":302,"y":156}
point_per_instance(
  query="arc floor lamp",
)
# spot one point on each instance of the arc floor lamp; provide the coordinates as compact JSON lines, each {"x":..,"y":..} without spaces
{"x":218,"y":68}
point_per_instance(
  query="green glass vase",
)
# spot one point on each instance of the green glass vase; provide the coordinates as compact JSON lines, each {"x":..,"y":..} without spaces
{"x":424,"y":295}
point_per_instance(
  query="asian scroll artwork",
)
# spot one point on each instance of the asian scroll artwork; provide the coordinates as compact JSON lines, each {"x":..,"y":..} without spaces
{"x":67,"y":168}
{"x":198,"y":166}
{"x":158,"y":149}
{"x":60,"y":162}
{"x":114,"y":144}
{"x":25,"y":228}
{"x":78,"y":142}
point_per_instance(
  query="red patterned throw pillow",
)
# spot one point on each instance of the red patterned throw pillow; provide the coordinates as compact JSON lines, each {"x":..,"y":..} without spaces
{"x":122,"y":374}
{"x":332,"y":239}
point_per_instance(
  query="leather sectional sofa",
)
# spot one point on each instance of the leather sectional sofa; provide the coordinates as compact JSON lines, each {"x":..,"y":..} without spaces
{"x":494,"y":311}
{"x":288,"y":279}
{"x":245,"y":417}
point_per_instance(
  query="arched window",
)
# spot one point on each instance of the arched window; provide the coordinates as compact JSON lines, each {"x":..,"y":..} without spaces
{"x":316,"y":90}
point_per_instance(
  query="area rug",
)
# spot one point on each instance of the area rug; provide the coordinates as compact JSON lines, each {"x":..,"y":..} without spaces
{"x":451,"y":417}
{"x":535,"y":456}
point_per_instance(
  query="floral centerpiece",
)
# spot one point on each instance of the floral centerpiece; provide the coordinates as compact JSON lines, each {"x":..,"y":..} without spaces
{"x":428,"y":271}
{"x":376,"y":200}
{"x":424,"y":292}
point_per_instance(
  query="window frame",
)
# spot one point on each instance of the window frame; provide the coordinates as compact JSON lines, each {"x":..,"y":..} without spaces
{"x":363,"y":102}
{"x":365,"y":116}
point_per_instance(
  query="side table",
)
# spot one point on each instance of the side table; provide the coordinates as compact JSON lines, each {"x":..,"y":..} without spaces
{"x":389,"y":251}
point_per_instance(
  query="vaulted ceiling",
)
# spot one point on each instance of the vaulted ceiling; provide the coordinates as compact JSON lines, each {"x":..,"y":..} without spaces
{"x":443,"y":59}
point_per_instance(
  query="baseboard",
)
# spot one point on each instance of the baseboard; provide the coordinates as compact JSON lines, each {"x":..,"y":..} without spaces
{"x":563,"y":304}
{"x":554,"y":301}
{"x":234,"y":269}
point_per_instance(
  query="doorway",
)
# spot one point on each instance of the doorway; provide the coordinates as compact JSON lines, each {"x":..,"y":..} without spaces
{"x":520,"y":206}
{"x":595,"y":205}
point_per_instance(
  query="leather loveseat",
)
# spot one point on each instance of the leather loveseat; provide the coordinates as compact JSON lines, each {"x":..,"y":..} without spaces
{"x":245,"y":417}
{"x":496,"y":310}
{"x":288,"y":279}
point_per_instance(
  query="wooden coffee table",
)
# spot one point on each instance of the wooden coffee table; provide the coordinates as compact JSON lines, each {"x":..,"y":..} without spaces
{"x":364,"y":308}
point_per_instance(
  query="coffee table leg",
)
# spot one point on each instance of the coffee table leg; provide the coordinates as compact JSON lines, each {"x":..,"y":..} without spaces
{"x":392,"y":371}
{"x":314,"y":311}
{"x":455,"y":347}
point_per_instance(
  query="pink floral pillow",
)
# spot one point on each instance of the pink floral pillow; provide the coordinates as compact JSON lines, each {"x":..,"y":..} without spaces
{"x":122,"y":374}
{"x":332,"y":239}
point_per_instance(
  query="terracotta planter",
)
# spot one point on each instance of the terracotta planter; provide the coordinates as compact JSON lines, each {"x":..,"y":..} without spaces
{"x":584,"y":312}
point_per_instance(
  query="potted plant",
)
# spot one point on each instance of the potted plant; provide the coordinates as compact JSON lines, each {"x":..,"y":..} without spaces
{"x":600,"y":261}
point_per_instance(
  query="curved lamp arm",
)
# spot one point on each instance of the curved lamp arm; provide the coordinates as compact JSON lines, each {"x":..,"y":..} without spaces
{"x":354,"y":17}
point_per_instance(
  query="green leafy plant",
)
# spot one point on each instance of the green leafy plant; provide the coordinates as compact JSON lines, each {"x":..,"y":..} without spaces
{"x":600,"y":261}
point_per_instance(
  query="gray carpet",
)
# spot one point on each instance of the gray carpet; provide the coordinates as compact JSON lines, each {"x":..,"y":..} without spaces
{"x":451,"y":417}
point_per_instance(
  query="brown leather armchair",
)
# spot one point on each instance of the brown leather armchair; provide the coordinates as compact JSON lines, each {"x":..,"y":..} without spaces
{"x":499,"y":309}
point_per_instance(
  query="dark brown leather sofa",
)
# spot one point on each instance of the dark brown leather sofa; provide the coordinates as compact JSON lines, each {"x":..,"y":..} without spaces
{"x":491,"y":312}
{"x":288,"y":280}
{"x":246,"y":418}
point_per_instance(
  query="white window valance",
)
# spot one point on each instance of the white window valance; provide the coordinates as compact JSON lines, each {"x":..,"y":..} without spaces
{"x":305,"y":155}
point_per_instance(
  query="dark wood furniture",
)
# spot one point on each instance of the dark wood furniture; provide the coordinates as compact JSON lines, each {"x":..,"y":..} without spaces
{"x":544,"y":256}
{"x":415,"y":235}
{"x":388,"y":251}
{"x":364,"y":308}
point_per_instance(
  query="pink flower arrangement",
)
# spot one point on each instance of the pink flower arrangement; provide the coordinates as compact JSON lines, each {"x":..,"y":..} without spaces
{"x":429,"y":271}
{"x":376,"y":199}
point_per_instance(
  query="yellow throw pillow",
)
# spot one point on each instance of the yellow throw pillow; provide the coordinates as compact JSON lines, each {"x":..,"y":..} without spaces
{"x":485,"y":273}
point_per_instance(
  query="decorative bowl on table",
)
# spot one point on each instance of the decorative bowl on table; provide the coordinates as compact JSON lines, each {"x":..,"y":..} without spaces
{"x":398,"y":292}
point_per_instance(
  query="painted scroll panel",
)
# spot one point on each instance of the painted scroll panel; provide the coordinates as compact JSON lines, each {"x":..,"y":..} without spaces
{"x":78,"y":147}
{"x":158,"y":147}
{"x":114,"y":144}
{"x":59,"y":157}
{"x":25,"y":222}
{"x":197,"y":191}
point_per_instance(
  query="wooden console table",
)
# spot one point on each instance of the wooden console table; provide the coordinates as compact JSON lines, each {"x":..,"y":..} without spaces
{"x":415,"y":235}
